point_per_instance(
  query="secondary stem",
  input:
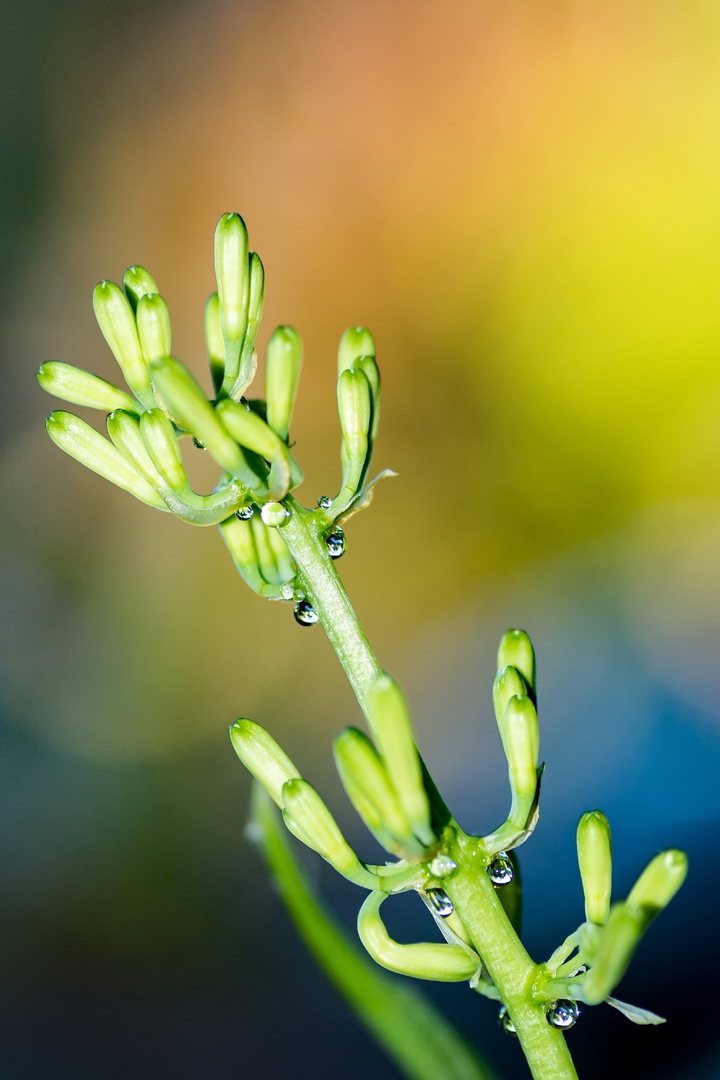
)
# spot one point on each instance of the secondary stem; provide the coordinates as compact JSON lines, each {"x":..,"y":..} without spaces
{"x":470,"y":889}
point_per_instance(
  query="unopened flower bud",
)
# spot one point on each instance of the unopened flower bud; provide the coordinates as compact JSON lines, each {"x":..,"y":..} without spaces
{"x":153,"y":323}
{"x":137,"y":283}
{"x":117,"y":322}
{"x":160,"y":439}
{"x":232,"y":272}
{"x":521,"y":748}
{"x":307,"y":816}
{"x":616,"y":946}
{"x":355,"y":342}
{"x":658,"y":883}
{"x":595,"y":861}
{"x":259,"y":753}
{"x":282,"y":371}
{"x":214,"y":340}
{"x":516,"y":649}
{"x":355,"y":410}
{"x":81,"y":388}
{"x":508,"y":683}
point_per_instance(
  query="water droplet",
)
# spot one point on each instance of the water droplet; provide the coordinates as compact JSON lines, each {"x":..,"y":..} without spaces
{"x":336,"y":543}
{"x":298,"y":595}
{"x":200,"y":445}
{"x":442,"y":866}
{"x":245,"y":513}
{"x":287,"y":591}
{"x":274,"y":514}
{"x":324,"y":502}
{"x":500,"y":870}
{"x":505,"y":1022}
{"x":305,"y":613}
{"x":440,"y":901}
{"x":563,"y":1014}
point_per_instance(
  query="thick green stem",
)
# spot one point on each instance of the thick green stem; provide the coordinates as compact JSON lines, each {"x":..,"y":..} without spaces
{"x":469,"y":887}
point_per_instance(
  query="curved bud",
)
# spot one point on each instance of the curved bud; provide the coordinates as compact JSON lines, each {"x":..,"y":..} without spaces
{"x":355,"y":342}
{"x":81,"y":388}
{"x":443,"y":963}
{"x":595,"y":861}
{"x":282,"y":372}
{"x":153,"y":323}
{"x":232,"y":273}
{"x":516,"y":649}
{"x":658,"y":883}
{"x":186,"y":403}
{"x":368,"y":366}
{"x":116,"y":320}
{"x":262,"y":756}
{"x":124,"y":430}
{"x":250,"y":430}
{"x":248,"y":360}
{"x":521,"y":749}
{"x":355,"y":410}
{"x":370,"y":790}
{"x":265,"y":552}
{"x":138,"y":283}
{"x":214,"y":340}
{"x":620,"y":936}
{"x":307,"y":816}
{"x":87,"y":446}
{"x":392,"y":727}
{"x":240,"y":539}
{"x":158,"y":435}
{"x":508,"y":683}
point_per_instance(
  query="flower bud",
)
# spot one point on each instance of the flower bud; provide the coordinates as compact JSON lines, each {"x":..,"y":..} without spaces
{"x":521,"y":749}
{"x":355,"y":409}
{"x":516,"y":649}
{"x":248,"y":363}
{"x":367,"y":365}
{"x":240,"y":539}
{"x":137,"y":283}
{"x":508,"y":683}
{"x":658,"y":883}
{"x":392,"y":727}
{"x":251,"y":431}
{"x":73,"y":384}
{"x":232,"y":273}
{"x":307,"y":816}
{"x":158,"y":435}
{"x":355,"y":342}
{"x":153,"y":323}
{"x":87,"y":446}
{"x":595,"y":861}
{"x":214,"y":341}
{"x":286,"y":569}
{"x":620,"y":936}
{"x":282,"y":372}
{"x":259,"y":753}
{"x":124,"y":430}
{"x":117,"y":322}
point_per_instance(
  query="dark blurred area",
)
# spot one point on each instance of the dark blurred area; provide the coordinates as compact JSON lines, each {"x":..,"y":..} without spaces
{"x":521,"y":201}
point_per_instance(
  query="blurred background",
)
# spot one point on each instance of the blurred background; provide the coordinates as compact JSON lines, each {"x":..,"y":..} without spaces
{"x":522,"y":201}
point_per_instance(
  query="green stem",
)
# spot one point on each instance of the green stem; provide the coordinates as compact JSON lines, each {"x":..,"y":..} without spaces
{"x":469,"y":887}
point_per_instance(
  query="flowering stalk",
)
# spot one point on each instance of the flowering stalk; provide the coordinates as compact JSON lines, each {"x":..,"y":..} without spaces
{"x":287,"y":552}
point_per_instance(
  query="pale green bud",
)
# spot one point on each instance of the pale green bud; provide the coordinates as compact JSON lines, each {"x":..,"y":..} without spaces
{"x":232,"y":272}
{"x":443,"y":963}
{"x":595,"y":861}
{"x":307,"y":816}
{"x":117,"y":322}
{"x":516,"y":649}
{"x":286,"y":569}
{"x":158,"y":435}
{"x":658,"y":883}
{"x":521,"y":749}
{"x":615,"y":948}
{"x":355,"y":410}
{"x":82,"y":388}
{"x":214,"y":340}
{"x":255,"y":304}
{"x":137,"y":283}
{"x":87,"y":446}
{"x":508,"y":683}
{"x":259,"y":753}
{"x":392,"y":727}
{"x":153,"y":323}
{"x":282,"y":372}
{"x":368,"y":366}
{"x":240,"y":539}
{"x":265,"y":553}
{"x":124,"y":430}
{"x":355,"y":342}
{"x":250,"y":430}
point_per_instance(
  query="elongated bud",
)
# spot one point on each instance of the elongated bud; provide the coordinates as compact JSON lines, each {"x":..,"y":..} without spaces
{"x":286,"y":569}
{"x":187,"y":404}
{"x":117,"y":322}
{"x":595,"y":861}
{"x":392,"y":728}
{"x":87,"y":446}
{"x":82,"y":388}
{"x":160,"y":440}
{"x":282,"y":372}
{"x":620,"y":936}
{"x":265,"y":552}
{"x":369,"y":787}
{"x":214,"y":340}
{"x":138,"y":283}
{"x":308,"y":817}
{"x":443,"y":963}
{"x":516,"y":649}
{"x":124,"y":430}
{"x":367,"y":365}
{"x":153,"y":323}
{"x":508,"y":683}
{"x":355,"y":342}
{"x":658,"y":883}
{"x":240,"y":539}
{"x":259,"y":753}
{"x":255,"y":305}
{"x":251,"y":431}
{"x":232,"y":273}
{"x":521,"y":748}
{"x":355,"y":410}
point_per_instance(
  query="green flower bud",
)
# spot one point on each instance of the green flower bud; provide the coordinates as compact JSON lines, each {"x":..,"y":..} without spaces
{"x":137,"y":283}
{"x":250,"y":430}
{"x":620,"y":936}
{"x":240,"y":539}
{"x":214,"y":340}
{"x":521,"y":749}
{"x":87,"y":446}
{"x":153,"y":323}
{"x":187,"y":404}
{"x":355,"y":342}
{"x":124,"y":430}
{"x":370,"y":790}
{"x":657,"y":884}
{"x":82,"y":388}
{"x":286,"y":569}
{"x":248,"y":362}
{"x":443,"y":963}
{"x":232,"y":272}
{"x":595,"y":861}
{"x":392,"y":727}
{"x":267,"y":561}
{"x":158,"y":435}
{"x":355,"y":410}
{"x":307,"y":816}
{"x":117,"y":322}
{"x":508,"y":683}
{"x":516,"y":649}
{"x":282,"y":372}
{"x":259,"y":753}
{"x":367,"y":365}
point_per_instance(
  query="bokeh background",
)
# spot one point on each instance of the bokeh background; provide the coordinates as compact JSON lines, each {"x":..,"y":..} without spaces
{"x":522,"y":200}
